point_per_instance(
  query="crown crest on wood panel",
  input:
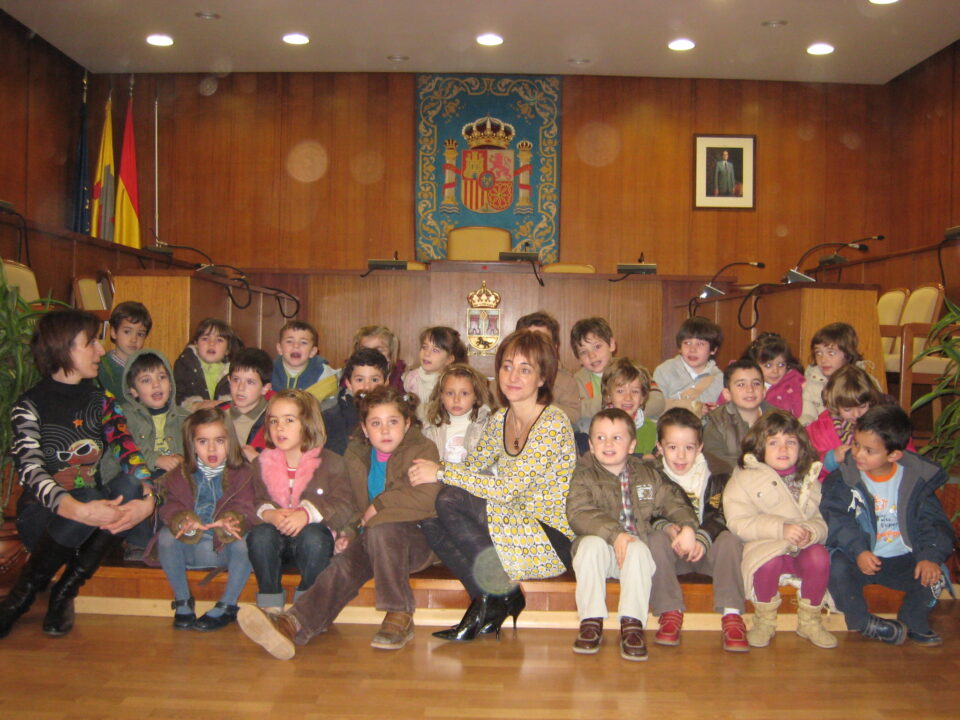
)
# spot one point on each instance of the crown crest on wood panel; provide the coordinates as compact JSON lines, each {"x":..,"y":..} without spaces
{"x":488,"y":132}
{"x":484,"y":297}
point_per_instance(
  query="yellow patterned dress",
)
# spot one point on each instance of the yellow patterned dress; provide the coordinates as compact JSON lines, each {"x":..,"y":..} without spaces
{"x":521,"y":490}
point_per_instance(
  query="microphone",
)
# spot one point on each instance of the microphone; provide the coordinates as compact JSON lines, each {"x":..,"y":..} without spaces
{"x":159,"y":247}
{"x":710,"y":291}
{"x":795,"y":276}
{"x":872,"y":237}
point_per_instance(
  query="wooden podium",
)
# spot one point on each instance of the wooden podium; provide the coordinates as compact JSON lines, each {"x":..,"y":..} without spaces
{"x":796,"y":312}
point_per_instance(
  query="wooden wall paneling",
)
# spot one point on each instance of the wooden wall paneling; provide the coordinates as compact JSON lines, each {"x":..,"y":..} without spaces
{"x":171,"y":325}
{"x":922,"y":151}
{"x":14,"y":96}
{"x":955,"y":139}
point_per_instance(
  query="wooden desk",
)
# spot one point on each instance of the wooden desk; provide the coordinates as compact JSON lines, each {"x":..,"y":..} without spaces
{"x":796,"y":312}
{"x":179,"y":299}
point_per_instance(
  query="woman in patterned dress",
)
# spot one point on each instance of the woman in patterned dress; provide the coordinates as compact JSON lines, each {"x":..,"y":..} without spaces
{"x":501,"y":512}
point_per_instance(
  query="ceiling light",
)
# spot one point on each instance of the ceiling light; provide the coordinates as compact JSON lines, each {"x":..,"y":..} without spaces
{"x":681,"y":44}
{"x":820,"y":48}
{"x":206,"y":15}
{"x":883,"y":2}
{"x":773,"y":23}
{"x":579,"y":61}
{"x":490,"y":39}
{"x":398,"y":58}
{"x":160,"y":40}
{"x":296,"y":39}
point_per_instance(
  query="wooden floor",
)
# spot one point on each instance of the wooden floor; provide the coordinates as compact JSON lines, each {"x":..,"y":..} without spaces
{"x":139,"y":667}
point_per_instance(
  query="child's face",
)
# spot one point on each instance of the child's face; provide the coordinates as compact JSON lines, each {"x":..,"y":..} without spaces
{"x":595,"y":353}
{"x":696,"y":353}
{"x":853,"y":413}
{"x":210,"y":443}
{"x":85,"y":354}
{"x":284,"y":425}
{"x":433,"y":358}
{"x":457,"y":395}
{"x":774,"y":370}
{"x":385,"y":427}
{"x":679,"y":447}
{"x":363,"y":379}
{"x":628,"y":397}
{"x":296,"y":348}
{"x":128,"y":337}
{"x":745,"y":390}
{"x":246,"y":389}
{"x":829,"y":358}
{"x":871,"y":454}
{"x":378,"y":343}
{"x":781,"y":451}
{"x":611,"y":443}
{"x":152,"y":388}
{"x":212,"y":347}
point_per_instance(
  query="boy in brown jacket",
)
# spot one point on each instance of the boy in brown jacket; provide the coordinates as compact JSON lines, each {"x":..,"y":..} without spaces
{"x":613,"y":499}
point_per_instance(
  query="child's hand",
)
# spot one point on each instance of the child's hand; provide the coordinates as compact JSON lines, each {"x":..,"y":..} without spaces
{"x":423,"y":471}
{"x":708,"y":407}
{"x":274,"y":517}
{"x":620,"y":546}
{"x":340,"y":544}
{"x":229,"y":525}
{"x":250,"y":452}
{"x":840,"y":453}
{"x":869,"y":563}
{"x":204,"y":405}
{"x":169,"y":462}
{"x":796,"y":534}
{"x":672,"y":530}
{"x":293,"y":522}
{"x":927,"y":573}
{"x":188,"y":526}
{"x":369,"y":513}
{"x":685,"y":544}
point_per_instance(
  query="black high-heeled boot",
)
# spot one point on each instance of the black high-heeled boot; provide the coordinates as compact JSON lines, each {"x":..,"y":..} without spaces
{"x":469,"y":626}
{"x":59,"y":618}
{"x":46,"y":559}
{"x":512,"y":603}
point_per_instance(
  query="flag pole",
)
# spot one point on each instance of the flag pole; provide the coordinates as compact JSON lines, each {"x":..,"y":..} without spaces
{"x":156,"y":167}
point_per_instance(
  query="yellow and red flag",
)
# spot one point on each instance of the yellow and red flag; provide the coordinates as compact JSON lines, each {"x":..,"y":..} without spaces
{"x":128,"y":197}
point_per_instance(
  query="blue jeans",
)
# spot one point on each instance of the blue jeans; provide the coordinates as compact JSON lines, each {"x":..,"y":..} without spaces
{"x":177,"y":557}
{"x":33,"y":518}
{"x":270,"y":550}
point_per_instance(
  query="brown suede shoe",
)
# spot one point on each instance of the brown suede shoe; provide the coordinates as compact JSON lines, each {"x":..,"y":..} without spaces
{"x":273,"y":632}
{"x":395,"y":631}
{"x":591,"y":633}
{"x":632,"y":646}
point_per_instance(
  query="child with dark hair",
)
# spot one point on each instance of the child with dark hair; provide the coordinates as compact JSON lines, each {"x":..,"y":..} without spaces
{"x":439,"y":346}
{"x":250,"y":389}
{"x":382,"y":339}
{"x":298,"y":366}
{"x":692,"y":378}
{"x":726,"y":426}
{"x":887,"y":527}
{"x":831,"y":347}
{"x":718,"y":553}
{"x":365,"y":370}
{"x":201,"y":370}
{"x":772,"y":503}
{"x":594,"y":346}
{"x":130,"y":323}
{"x":782,"y":373}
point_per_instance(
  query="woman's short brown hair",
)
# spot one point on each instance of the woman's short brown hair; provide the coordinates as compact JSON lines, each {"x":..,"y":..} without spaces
{"x":314,"y":432}
{"x":850,"y":387}
{"x":208,"y":416}
{"x":539,"y":352}
{"x":773,"y":423}
{"x":54,"y":337}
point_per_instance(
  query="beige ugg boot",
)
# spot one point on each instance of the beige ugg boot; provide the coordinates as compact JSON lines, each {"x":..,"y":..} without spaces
{"x":810,"y":625}
{"x":764,"y":622}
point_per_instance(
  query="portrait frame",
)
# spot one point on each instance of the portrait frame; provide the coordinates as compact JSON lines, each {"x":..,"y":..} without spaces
{"x":712,"y":187}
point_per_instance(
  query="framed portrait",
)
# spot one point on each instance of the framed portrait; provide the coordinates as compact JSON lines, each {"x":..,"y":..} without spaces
{"x":724,"y":171}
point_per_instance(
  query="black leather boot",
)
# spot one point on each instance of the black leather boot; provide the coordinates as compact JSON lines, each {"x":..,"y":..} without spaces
{"x":473,"y":620}
{"x":59,"y":618}
{"x":43,"y":564}
{"x":504,"y":606}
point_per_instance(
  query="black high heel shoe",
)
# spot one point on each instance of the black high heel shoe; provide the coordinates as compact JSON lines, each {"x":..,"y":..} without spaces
{"x":512,"y":603}
{"x":469,"y":626}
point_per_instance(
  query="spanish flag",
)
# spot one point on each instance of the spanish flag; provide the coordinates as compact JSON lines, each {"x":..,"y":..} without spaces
{"x":104,"y":192}
{"x":128,"y":198}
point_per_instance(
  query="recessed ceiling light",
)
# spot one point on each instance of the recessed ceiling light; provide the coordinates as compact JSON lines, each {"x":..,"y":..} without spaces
{"x":206,"y":15}
{"x":579,"y":61}
{"x":490,"y":39}
{"x":820,"y":48}
{"x":296,"y":39}
{"x":160,"y":40}
{"x":883,"y":2}
{"x":681,"y":44}
{"x":773,"y":23}
{"x":398,"y":58}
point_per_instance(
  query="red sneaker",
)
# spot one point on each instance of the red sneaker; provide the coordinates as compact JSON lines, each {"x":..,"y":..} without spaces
{"x":670,"y":624}
{"x":734,"y":633}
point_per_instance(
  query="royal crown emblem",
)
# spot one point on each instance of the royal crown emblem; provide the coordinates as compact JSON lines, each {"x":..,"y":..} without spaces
{"x":483,"y":320}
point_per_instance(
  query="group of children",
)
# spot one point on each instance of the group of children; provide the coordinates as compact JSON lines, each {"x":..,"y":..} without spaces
{"x":264,"y":463}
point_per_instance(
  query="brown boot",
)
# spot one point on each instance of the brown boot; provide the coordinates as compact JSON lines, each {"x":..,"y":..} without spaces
{"x":395,"y":631}
{"x":591,"y":632}
{"x":274,"y":632}
{"x":632,"y":646}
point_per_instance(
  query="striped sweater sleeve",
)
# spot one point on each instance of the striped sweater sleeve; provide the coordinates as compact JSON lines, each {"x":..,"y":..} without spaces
{"x":28,"y":456}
